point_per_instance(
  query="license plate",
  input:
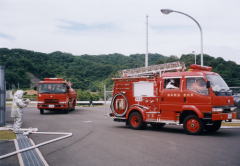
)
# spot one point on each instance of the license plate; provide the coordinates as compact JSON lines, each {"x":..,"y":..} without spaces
{"x":229,"y":116}
{"x":51,"y":106}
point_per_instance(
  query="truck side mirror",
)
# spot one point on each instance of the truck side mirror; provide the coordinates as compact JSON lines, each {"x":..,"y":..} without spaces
{"x":208,"y":84}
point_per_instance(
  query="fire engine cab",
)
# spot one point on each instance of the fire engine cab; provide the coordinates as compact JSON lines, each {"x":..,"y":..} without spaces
{"x":168,"y":94}
{"x":56,"y":94}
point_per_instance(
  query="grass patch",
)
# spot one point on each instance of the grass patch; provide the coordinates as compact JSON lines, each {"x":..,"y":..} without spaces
{"x":7,"y":135}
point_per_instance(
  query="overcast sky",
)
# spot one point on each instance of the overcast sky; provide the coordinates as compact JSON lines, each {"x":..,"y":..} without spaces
{"x":110,"y":26}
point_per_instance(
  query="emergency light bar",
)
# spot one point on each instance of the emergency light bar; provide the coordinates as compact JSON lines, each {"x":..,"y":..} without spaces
{"x":154,"y":69}
{"x":198,"y":67}
{"x":53,"y":79}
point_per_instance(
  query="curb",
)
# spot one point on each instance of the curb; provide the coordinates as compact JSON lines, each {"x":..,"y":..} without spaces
{"x":230,"y":127}
{"x":236,"y":121}
{"x":234,"y":124}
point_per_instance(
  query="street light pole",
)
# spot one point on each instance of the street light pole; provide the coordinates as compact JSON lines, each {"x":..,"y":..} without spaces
{"x":195,"y":57}
{"x":167,"y":11}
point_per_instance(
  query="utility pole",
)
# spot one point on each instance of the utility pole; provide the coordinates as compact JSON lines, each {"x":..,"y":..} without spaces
{"x":2,"y":96}
{"x":146,"y":55}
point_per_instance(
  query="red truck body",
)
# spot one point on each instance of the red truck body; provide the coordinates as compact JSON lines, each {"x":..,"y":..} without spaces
{"x":56,"y":94}
{"x":149,"y":99}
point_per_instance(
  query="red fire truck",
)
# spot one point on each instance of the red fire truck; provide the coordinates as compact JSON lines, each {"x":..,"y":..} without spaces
{"x":56,"y":94}
{"x":168,"y":94}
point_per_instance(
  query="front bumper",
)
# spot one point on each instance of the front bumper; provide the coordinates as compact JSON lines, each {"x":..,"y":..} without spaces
{"x":117,"y":119}
{"x":224,"y":116}
{"x":52,"y":106}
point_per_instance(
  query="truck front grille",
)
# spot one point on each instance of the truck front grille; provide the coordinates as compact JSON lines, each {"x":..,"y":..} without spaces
{"x":51,"y":100}
{"x":226,"y":111}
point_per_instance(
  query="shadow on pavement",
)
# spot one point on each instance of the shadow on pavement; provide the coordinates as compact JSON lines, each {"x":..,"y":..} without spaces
{"x":62,"y":112}
{"x":180,"y":130}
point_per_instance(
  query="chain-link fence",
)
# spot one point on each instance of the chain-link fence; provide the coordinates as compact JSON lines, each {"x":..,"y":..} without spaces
{"x":236,"y":96}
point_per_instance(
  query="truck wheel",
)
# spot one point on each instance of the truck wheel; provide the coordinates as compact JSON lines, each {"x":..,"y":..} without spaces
{"x":73,"y":108}
{"x":74,"y":105}
{"x":157,"y":125}
{"x":66,"y":111}
{"x":193,"y":125}
{"x":214,"y":127}
{"x":41,"y":111}
{"x":135,"y":121}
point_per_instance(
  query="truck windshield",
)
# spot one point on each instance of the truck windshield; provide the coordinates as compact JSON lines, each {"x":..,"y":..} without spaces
{"x":52,"y":88}
{"x":217,"y":83}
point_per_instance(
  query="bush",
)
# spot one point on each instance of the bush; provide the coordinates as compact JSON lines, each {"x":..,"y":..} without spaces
{"x":87,"y":96}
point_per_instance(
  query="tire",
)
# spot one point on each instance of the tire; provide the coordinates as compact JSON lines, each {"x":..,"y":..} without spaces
{"x":193,"y":125}
{"x":41,"y":111}
{"x":73,"y":109}
{"x":74,"y":105}
{"x":157,"y":125}
{"x":214,"y":127}
{"x":135,"y":121}
{"x":66,"y":111}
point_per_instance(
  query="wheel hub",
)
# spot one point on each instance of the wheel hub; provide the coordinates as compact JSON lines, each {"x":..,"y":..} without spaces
{"x":193,"y":125}
{"x":135,"y":121}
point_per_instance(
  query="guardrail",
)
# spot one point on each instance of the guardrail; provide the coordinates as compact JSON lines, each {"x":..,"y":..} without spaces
{"x":78,"y":102}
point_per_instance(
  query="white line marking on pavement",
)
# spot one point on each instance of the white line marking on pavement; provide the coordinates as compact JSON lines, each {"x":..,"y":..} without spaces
{"x":39,"y":153}
{"x":107,"y":115}
{"x":20,"y":160}
{"x":87,"y":121}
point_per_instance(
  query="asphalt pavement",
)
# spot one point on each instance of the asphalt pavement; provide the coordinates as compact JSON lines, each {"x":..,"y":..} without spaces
{"x":98,"y":141}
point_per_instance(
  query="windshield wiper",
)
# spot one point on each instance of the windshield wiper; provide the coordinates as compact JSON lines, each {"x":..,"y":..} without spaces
{"x":45,"y":92}
{"x":224,"y":90}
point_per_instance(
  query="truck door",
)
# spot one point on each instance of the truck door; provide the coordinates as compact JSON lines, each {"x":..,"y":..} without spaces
{"x":171,"y":97}
{"x":196,"y":92}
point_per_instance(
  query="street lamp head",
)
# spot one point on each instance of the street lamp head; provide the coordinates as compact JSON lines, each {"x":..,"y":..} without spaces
{"x":166,"y":11}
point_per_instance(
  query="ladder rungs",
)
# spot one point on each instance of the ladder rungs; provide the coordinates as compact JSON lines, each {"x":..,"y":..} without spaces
{"x":154,"y":69}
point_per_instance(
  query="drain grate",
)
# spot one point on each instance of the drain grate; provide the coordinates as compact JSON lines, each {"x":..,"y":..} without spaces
{"x":30,"y":157}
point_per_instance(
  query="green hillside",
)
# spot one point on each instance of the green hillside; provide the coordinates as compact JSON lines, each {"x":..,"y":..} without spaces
{"x":89,"y":72}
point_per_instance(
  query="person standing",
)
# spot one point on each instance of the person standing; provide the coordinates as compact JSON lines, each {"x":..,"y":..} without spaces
{"x":17,"y":109}
{"x":170,"y":85}
{"x":91,"y":102}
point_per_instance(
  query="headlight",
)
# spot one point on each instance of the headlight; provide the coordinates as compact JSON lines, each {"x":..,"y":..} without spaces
{"x":63,"y":102}
{"x":217,"y":109}
{"x":233,"y":108}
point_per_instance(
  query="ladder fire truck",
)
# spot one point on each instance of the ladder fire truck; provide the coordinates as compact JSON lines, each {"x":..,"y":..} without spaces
{"x":168,"y":94}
